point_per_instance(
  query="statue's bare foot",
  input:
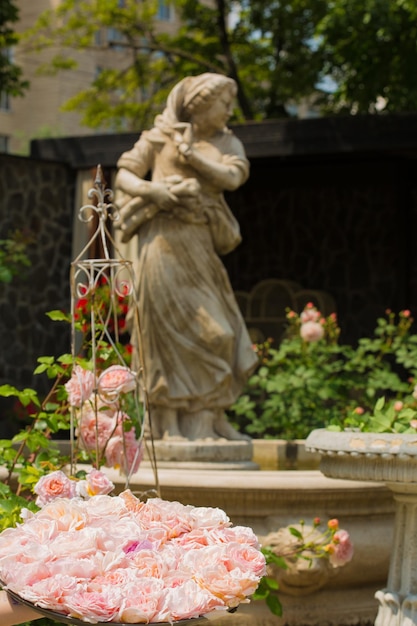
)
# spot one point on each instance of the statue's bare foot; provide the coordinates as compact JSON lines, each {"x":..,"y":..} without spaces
{"x":224,"y":429}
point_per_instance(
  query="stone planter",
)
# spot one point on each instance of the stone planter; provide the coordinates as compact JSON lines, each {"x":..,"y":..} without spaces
{"x":392,"y":459}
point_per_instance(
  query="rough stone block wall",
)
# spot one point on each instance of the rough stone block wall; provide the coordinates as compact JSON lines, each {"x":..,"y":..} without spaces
{"x":38,"y":197}
{"x":342,"y":225}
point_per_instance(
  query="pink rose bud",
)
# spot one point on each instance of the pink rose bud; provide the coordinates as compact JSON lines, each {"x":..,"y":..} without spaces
{"x":343,"y":550}
{"x":398,"y":405}
{"x":359,"y":410}
{"x":333,"y":524}
{"x":413,"y":424}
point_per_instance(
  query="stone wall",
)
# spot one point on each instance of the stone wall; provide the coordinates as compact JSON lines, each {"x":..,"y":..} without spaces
{"x":37,"y":197}
{"x":345,"y":225}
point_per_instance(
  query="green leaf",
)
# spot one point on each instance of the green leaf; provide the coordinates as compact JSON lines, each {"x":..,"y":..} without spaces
{"x":295,"y":532}
{"x":274,"y":605}
{"x":59,"y":316}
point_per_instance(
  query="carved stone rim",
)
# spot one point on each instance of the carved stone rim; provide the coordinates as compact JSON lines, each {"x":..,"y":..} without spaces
{"x":352,"y":443}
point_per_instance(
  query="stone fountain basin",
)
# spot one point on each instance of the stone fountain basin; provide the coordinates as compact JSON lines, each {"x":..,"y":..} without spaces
{"x":385,"y":457}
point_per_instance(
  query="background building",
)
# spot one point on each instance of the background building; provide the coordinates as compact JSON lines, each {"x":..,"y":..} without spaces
{"x":38,"y":113}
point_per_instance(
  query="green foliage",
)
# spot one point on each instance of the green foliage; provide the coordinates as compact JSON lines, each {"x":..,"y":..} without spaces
{"x":302,"y":385}
{"x":13,"y":255}
{"x":32,"y":452}
{"x":369,"y":50}
{"x":279,"y":52}
{"x":11,"y":81}
{"x":11,"y":506}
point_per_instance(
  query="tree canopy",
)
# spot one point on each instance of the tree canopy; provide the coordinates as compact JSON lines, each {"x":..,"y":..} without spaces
{"x":280,"y":52}
{"x":11,"y":81}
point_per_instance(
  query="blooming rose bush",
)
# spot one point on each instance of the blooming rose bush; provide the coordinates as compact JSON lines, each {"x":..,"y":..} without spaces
{"x":311,"y":380}
{"x":98,"y":399}
{"x":166,"y":562}
{"x":302,"y":555}
{"x":105,"y":431}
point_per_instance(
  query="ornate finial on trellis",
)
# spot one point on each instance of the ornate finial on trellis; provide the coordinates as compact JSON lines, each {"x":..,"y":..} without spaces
{"x":98,"y":213}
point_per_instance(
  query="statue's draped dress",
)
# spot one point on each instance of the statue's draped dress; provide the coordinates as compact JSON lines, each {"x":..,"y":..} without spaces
{"x":197,"y":351}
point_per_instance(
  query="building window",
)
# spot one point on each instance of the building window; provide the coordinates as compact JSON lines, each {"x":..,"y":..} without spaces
{"x":116,"y":39}
{"x":164,"y":11}
{"x":4,"y":143}
{"x":4,"y":101}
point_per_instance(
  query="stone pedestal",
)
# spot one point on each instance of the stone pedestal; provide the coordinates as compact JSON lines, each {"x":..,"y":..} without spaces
{"x":202,"y":454}
{"x":391,"y":458}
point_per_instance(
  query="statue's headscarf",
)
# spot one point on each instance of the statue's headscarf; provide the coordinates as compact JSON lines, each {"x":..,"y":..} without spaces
{"x":181,"y":98}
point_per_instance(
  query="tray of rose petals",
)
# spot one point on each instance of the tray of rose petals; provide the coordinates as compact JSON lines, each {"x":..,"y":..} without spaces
{"x":118,"y":560}
{"x":65,"y":619}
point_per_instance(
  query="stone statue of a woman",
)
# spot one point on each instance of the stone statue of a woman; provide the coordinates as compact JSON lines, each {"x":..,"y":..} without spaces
{"x":197,"y":352}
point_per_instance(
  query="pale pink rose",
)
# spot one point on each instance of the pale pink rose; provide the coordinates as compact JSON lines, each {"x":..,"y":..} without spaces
{"x":174,"y":517}
{"x":241,"y":534}
{"x":212,"y":536}
{"x":230,"y":586}
{"x":186,"y":601}
{"x":413,"y":424}
{"x":95,"y":606}
{"x":77,"y":569}
{"x":246,"y":558}
{"x":343,"y":549}
{"x":96,"y":483}
{"x":62,"y":514}
{"x":118,"y":576}
{"x":142,"y":600}
{"x":115,"y":380}
{"x":95,"y":428}
{"x":204,"y":517}
{"x":18,"y":575}
{"x":80,"y":386}
{"x":152,"y":564}
{"x":49,"y":593}
{"x":103,"y":508}
{"x":53,"y":485}
{"x":218,"y":570}
{"x":40,"y":531}
{"x":310,"y":315}
{"x":124,"y":452}
{"x":311,"y":331}
{"x":88,"y":541}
